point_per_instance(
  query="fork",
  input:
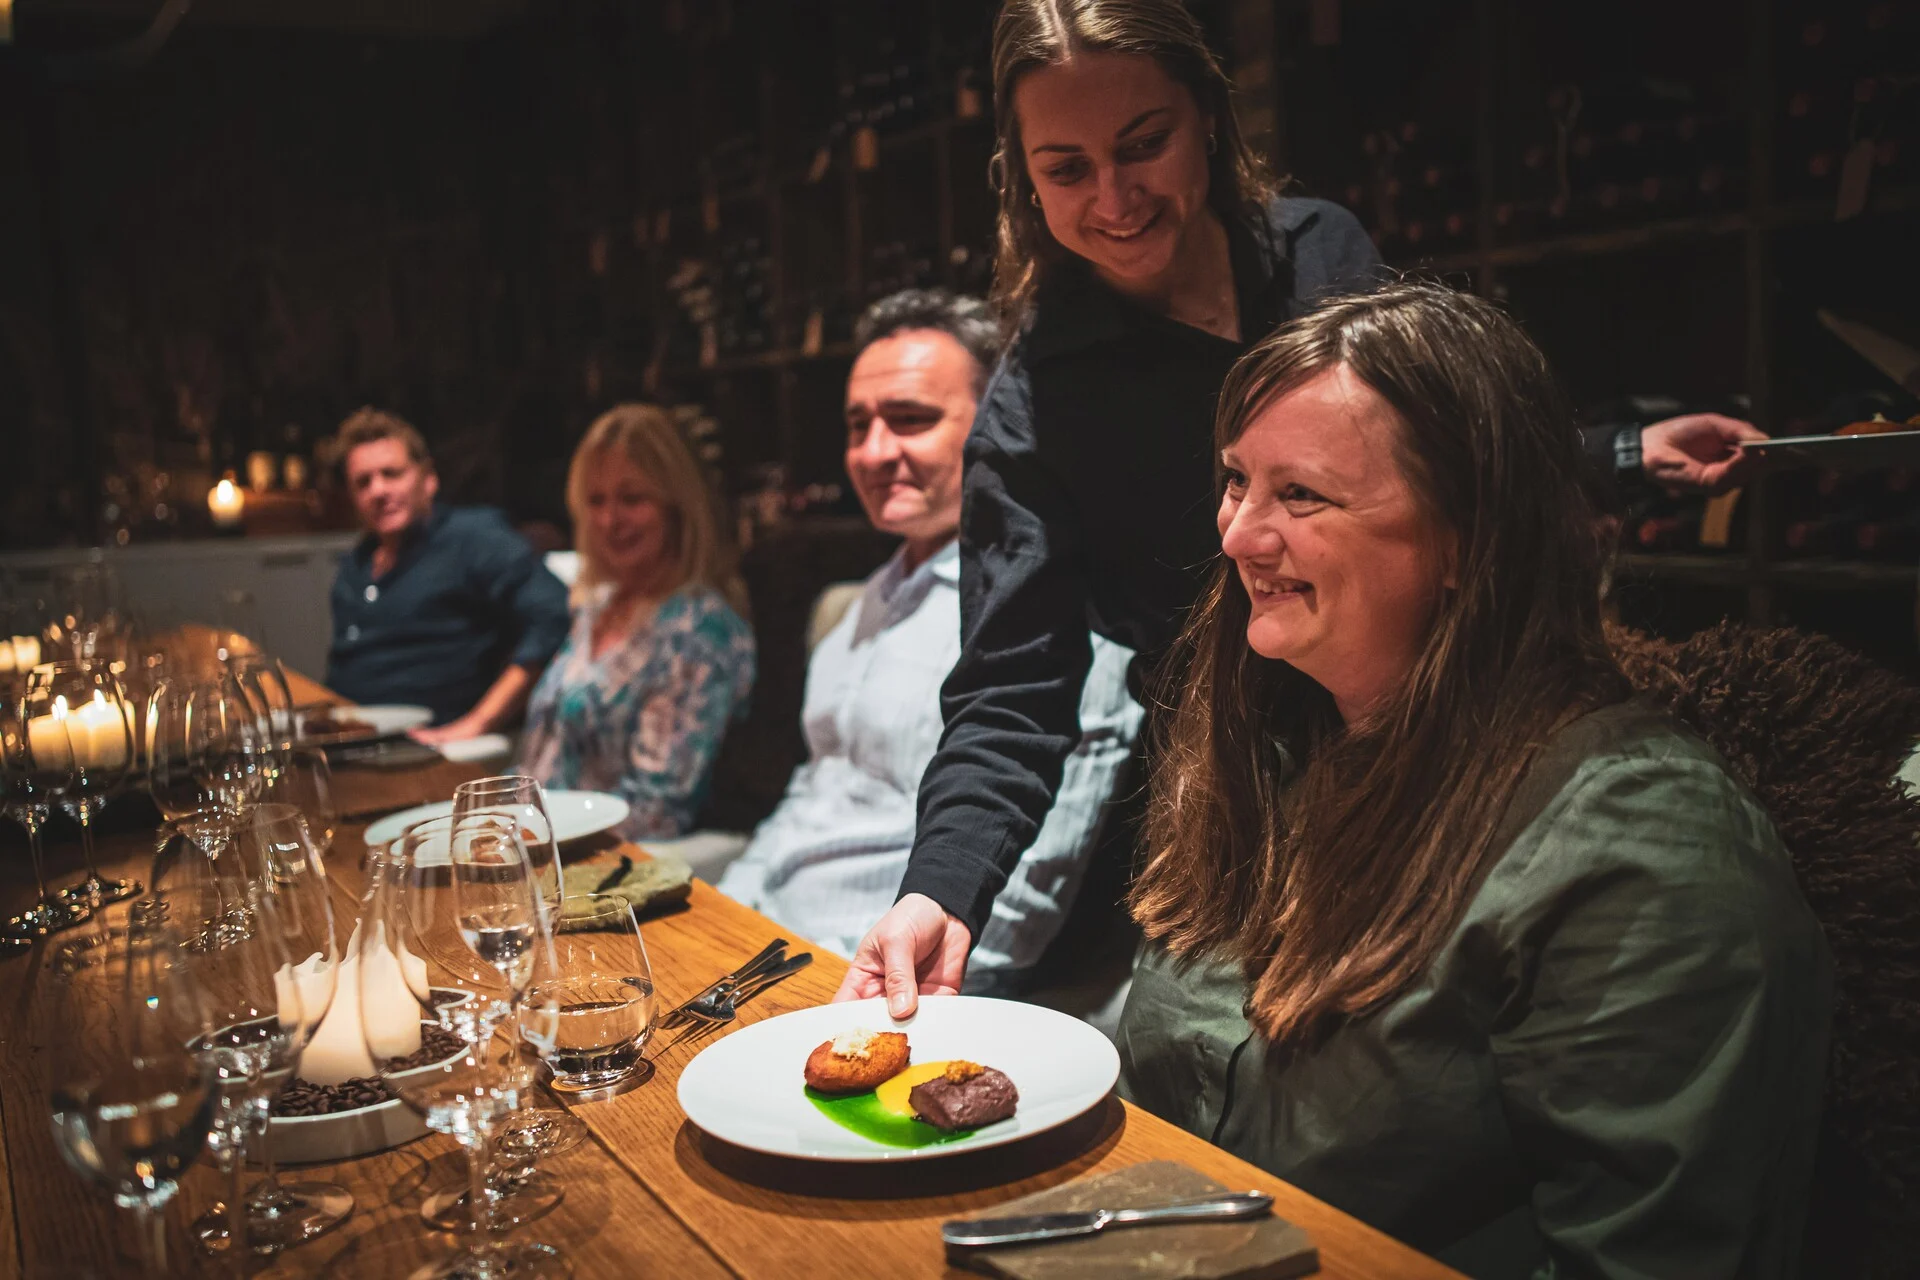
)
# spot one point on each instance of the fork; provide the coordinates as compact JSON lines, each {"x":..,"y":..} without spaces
{"x":710,"y":1011}
{"x":769,"y":956}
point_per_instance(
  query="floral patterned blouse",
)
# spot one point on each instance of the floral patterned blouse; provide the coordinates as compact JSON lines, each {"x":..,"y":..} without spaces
{"x":645,"y":719}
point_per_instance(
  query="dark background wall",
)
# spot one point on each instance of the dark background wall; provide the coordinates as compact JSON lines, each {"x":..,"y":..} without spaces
{"x":501,"y":217}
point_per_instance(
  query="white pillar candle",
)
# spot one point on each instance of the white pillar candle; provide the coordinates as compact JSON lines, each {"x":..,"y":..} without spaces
{"x":19,"y":653}
{"x":98,"y":731}
{"x":47,"y":738}
{"x":390,"y":995}
{"x":338,"y":1051}
{"x":307,"y":989}
{"x":226,"y":504}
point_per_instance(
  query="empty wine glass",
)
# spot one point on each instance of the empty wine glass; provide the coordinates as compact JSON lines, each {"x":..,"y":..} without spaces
{"x":305,"y":781}
{"x":23,"y":787}
{"x":206,"y":754}
{"x":264,"y":682}
{"x":456,"y":918}
{"x":132,"y":1098}
{"x":81,"y":735}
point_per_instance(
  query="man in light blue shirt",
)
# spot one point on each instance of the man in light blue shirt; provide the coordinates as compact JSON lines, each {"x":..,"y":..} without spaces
{"x":827,"y":863}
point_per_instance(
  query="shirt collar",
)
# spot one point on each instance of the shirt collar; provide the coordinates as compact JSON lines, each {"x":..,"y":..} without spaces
{"x":415,"y":535}
{"x":1075,"y":309}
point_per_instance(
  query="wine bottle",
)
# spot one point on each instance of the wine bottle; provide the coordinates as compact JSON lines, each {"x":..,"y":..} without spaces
{"x":1824,"y":535}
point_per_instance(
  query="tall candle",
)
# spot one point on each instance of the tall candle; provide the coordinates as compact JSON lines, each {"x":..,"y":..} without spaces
{"x":98,"y":732}
{"x":19,"y":653}
{"x":311,"y":985}
{"x":47,"y":738}
{"x":388,"y":1018}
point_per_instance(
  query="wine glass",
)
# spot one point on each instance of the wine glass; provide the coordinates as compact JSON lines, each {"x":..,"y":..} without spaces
{"x":242,"y":957}
{"x":533,"y":1131}
{"x":602,"y":987}
{"x":455,"y":917}
{"x":206,"y":754}
{"x":81,"y":736}
{"x":132,"y":1098}
{"x":23,"y":787}
{"x":287,"y":859}
{"x":264,"y":682}
{"x":305,"y":781}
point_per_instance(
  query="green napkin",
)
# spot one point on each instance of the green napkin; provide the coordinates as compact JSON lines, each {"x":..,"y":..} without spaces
{"x":650,"y":884}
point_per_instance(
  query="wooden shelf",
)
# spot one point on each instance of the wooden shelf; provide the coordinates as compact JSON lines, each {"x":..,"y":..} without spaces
{"x":1735,"y":571}
{"x":762,"y":360}
{"x":1671,"y":230}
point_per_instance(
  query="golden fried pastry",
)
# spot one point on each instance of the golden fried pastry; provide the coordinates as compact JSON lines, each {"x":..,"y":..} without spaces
{"x":857,"y":1061}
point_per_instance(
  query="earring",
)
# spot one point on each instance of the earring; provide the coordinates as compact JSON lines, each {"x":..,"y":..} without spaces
{"x":1213,"y":143}
{"x":1034,"y":196}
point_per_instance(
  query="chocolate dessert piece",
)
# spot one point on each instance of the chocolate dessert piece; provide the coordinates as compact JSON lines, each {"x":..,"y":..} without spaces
{"x":968,"y":1096}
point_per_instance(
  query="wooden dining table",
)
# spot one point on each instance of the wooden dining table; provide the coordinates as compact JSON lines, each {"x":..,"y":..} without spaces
{"x":649,"y":1194}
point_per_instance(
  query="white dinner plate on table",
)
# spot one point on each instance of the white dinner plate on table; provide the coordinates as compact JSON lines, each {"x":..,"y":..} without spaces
{"x":382,"y":721}
{"x":747,"y":1087}
{"x":575,"y":814}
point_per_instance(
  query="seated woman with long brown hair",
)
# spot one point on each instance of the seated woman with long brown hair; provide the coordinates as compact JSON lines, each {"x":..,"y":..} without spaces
{"x":1443,"y":926}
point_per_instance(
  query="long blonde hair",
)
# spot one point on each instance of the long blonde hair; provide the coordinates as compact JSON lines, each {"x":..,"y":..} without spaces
{"x":697,"y":538}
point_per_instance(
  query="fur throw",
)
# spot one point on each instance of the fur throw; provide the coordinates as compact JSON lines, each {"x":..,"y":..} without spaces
{"x":1819,"y":734}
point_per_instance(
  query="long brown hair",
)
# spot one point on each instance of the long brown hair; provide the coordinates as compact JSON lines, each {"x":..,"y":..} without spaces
{"x":1333,"y":860}
{"x":697,"y":537}
{"x":1045,"y":33}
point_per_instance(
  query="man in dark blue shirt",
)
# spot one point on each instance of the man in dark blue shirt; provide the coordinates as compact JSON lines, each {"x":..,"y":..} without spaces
{"x":446,"y":607}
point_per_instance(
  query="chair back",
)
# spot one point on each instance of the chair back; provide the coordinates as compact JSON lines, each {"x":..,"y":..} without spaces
{"x":1820,"y":735}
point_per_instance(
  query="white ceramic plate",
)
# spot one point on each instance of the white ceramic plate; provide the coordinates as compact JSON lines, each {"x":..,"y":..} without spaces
{"x":384,"y":721}
{"x":746,"y":1088}
{"x":575,"y":814}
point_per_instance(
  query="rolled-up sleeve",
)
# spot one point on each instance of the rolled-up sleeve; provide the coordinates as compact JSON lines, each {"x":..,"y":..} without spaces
{"x":1012,"y":701}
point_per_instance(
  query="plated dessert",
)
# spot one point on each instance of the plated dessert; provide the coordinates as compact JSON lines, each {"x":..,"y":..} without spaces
{"x":865,"y":1082}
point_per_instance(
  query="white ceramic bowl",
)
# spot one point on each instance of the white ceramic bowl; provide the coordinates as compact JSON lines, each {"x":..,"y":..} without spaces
{"x":346,"y":1134}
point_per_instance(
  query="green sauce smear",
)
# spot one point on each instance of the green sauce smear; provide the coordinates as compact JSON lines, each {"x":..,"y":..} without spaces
{"x":862,"y":1113}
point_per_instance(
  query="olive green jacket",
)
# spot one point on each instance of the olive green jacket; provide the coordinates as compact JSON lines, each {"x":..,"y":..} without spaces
{"x":1613,"y":1067}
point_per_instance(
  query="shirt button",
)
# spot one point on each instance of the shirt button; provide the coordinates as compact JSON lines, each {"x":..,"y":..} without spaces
{"x":353,"y":633}
{"x":372,"y":593}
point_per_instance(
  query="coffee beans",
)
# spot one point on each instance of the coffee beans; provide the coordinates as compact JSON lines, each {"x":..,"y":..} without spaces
{"x":305,"y":1098}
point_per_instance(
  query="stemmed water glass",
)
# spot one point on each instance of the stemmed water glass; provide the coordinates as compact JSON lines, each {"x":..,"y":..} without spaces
{"x":81,"y":736}
{"x":287,"y":856}
{"x":533,"y":1131}
{"x":456,"y":917}
{"x":132,"y":1097}
{"x":23,"y":787}
{"x":256,"y":913}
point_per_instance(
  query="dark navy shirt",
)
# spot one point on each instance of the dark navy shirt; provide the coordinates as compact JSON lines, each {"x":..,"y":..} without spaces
{"x":1089,"y":501}
{"x":466,"y":597}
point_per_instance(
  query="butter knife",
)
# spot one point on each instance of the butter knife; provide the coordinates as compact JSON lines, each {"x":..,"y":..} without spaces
{"x":769,"y":955}
{"x":976,"y":1233}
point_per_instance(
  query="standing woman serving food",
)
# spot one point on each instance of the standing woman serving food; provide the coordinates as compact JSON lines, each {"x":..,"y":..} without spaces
{"x":1141,"y":252}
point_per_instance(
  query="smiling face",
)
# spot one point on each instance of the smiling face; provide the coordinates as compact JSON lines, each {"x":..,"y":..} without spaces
{"x":1342,"y":564}
{"x":1117,"y":152}
{"x":391,"y":491}
{"x":910,"y":403}
{"x":632,"y":527}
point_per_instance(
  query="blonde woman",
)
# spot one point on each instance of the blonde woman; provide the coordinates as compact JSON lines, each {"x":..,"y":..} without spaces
{"x":660,"y":657}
